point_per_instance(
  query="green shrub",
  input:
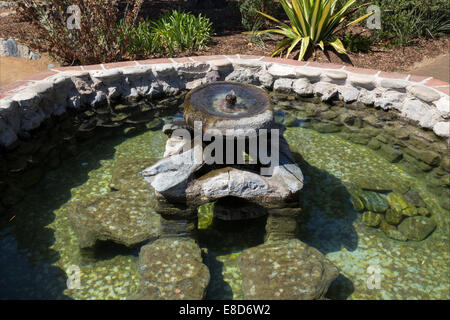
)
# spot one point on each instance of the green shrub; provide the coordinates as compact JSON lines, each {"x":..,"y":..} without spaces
{"x":251,"y":19}
{"x":357,"y":42}
{"x":179,"y":31}
{"x":315,"y":23}
{"x":171,"y":33}
{"x":405,"y":20}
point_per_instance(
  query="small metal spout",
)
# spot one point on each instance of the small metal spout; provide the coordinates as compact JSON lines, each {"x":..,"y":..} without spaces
{"x":231,"y":98}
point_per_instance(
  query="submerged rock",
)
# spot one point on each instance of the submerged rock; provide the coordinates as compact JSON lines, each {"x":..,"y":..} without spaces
{"x":124,"y":217}
{"x":395,"y":234}
{"x":396,"y":202}
{"x":413,"y":197}
{"x":289,"y":270}
{"x":374,"y":201}
{"x":371,"y":219}
{"x":398,"y":207}
{"x":126,"y":175}
{"x":172,"y":269}
{"x":393,"y":217}
{"x":417,"y":228}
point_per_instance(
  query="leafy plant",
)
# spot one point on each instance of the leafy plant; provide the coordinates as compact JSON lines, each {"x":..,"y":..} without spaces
{"x":354,"y":42}
{"x":251,"y":19}
{"x":100,"y":38}
{"x":405,"y":20}
{"x":312,"y":23}
{"x":179,"y":31}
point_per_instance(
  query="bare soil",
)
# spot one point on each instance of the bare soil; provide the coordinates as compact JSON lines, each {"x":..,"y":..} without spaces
{"x":12,"y":69}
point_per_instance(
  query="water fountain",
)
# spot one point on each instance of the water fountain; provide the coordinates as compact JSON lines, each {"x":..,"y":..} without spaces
{"x":200,"y":169}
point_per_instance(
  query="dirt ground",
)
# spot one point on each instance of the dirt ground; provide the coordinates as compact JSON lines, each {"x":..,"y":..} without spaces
{"x":438,"y":67}
{"x":12,"y":69}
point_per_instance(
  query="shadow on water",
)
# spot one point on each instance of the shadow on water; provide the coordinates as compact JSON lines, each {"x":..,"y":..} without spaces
{"x":328,"y":214}
{"x":107,"y":250}
{"x":26,"y":241}
{"x":224,"y":238}
{"x":327,"y":219}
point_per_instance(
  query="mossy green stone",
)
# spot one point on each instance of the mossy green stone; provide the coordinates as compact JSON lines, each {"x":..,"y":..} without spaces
{"x":129,"y":130}
{"x":391,"y":154}
{"x":374,"y":201}
{"x":417,"y":228}
{"x":429,"y":157}
{"x":396,"y":235}
{"x":374,"y":144}
{"x":393,"y":217}
{"x":410,"y":212}
{"x":371,"y":219}
{"x":384,"y":225}
{"x":357,"y":203}
{"x":119,"y":117}
{"x":154,"y":124}
{"x":423,"y":212}
{"x":396,"y":202}
{"x":445,"y":163}
{"x":289,"y":120}
{"x":413,"y":197}
{"x":326,"y":127}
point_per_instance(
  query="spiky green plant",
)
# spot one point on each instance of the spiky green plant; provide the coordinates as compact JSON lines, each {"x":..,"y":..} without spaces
{"x":312,"y":23}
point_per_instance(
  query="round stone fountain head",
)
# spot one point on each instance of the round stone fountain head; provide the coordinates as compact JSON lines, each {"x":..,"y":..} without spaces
{"x":228,"y":105}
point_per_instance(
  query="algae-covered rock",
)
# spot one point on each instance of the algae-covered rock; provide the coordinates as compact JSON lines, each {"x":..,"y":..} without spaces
{"x":126,"y":175}
{"x":371,"y":219}
{"x":357,"y":203}
{"x":384,"y":226}
{"x":374,"y":201}
{"x":285,"y":270}
{"x":395,"y":234}
{"x":417,"y":228}
{"x":124,"y":217}
{"x":413,"y":197}
{"x":378,"y":184}
{"x":393,"y":216}
{"x":129,"y":130}
{"x":410,"y":212}
{"x":326,"y":127}
{"x":423,"y":212}
{"x":154,"y":124}
{"x":396,"y":202}
{"x":172,"y":269}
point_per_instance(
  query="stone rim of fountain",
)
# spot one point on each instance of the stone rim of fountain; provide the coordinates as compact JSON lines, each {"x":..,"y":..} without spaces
{"x":202,"y":110}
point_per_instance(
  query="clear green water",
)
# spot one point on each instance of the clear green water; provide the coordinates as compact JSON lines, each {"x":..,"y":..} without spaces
{"x":38,"y":245}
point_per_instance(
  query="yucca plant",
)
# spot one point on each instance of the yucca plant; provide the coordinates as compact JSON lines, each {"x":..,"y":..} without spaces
{"x":312,"y":23}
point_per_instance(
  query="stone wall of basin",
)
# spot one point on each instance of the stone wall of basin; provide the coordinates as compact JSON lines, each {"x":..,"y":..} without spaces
{"x":25,"y":104}
{"x":32,"y":109}
{"x":398,"y":140}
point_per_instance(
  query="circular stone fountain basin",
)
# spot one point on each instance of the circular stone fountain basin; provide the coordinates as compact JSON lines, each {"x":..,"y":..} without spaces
{"x":226,"y":105}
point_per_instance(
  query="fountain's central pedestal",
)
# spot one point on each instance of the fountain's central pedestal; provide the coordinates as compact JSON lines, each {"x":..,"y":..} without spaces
{"x":231,"y":152}
{"x":236,"y":151}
